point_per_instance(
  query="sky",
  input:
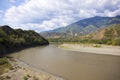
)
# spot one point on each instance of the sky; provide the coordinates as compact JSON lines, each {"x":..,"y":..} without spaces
{"x":42,"y":15}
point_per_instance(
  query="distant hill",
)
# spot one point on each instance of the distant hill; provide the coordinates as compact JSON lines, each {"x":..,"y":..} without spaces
{"x":16,"y":39}
{"x":109,"y":35}
{"x":110,"y":32}
{"x":82,"y":27}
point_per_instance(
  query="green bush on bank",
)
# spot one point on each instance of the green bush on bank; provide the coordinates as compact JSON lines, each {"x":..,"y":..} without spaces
{"x":3,"y":61}
{"x":115,"y":41}
{"x":16,"y":39}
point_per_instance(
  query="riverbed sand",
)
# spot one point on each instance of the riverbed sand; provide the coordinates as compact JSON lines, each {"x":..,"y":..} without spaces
{"x":93,"y":48}
{"x":23,"y":71}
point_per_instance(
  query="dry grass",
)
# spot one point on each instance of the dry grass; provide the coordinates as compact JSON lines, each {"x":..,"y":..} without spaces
{"x":4,"y":65}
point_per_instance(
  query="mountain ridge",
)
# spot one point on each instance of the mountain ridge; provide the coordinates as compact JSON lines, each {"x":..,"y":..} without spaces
{"x":109,"y":35}
{"x":82,"y":27}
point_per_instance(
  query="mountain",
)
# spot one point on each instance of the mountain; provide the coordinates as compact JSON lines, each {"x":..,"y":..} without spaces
{"x":82,"y":27}
{"x":16,"y":39}
{"x":110,"y":32}
{"x":108,"y":35}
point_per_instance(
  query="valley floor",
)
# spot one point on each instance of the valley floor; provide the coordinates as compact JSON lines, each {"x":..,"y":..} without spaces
{"x":93,"y":48}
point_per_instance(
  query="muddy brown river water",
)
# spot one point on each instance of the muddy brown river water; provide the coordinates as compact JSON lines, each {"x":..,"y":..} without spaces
{"x":72,"y":65}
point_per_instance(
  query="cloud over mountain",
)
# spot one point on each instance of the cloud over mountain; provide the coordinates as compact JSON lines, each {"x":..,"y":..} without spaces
{"x":43,"y":15}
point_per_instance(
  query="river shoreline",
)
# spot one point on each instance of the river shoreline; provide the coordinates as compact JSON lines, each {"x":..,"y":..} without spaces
{"x":23,"y":71}
{"x":92,"y":48}
{"x":70,"y":65}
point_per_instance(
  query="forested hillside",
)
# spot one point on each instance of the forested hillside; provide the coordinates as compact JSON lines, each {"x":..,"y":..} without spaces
{"x":16,"y":39}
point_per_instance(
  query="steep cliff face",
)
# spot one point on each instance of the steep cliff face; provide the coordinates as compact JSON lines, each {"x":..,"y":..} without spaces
{"x":16,"y":39}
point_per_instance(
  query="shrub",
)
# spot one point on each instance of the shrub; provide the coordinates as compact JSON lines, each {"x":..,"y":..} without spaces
{"x":25,"y":78}
{"x":97,"y":46}
{"x":3,"y":61}
{"x":1,"y":40}
{"x":116,"y":42}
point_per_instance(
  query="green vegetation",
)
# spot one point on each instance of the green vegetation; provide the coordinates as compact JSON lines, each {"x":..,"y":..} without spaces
{"x":110,"y":36}
{"x":4,"y":65}
{"x":25,"y":78}
{"x":8,"y":77}
{"x":78,"y":40}
{"x":16,"y":39}
{"x":3,"y":61}
{"x":97,"y":46}
{"x":5,"y":77}
{"x":82,"y":27}
{"x":35,"y":78}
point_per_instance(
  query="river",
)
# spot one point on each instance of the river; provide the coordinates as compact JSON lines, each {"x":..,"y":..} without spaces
{"x":72,"y":65}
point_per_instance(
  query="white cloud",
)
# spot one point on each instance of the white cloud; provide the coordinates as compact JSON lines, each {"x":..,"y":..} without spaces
{"x":49,"y":14}
{"x":12,"y":1}
{"x":1,"y":13}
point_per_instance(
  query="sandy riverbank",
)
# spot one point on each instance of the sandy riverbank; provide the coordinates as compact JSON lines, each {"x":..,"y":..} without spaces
{"x":93,"y":48}
{"x":23,"y":71}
